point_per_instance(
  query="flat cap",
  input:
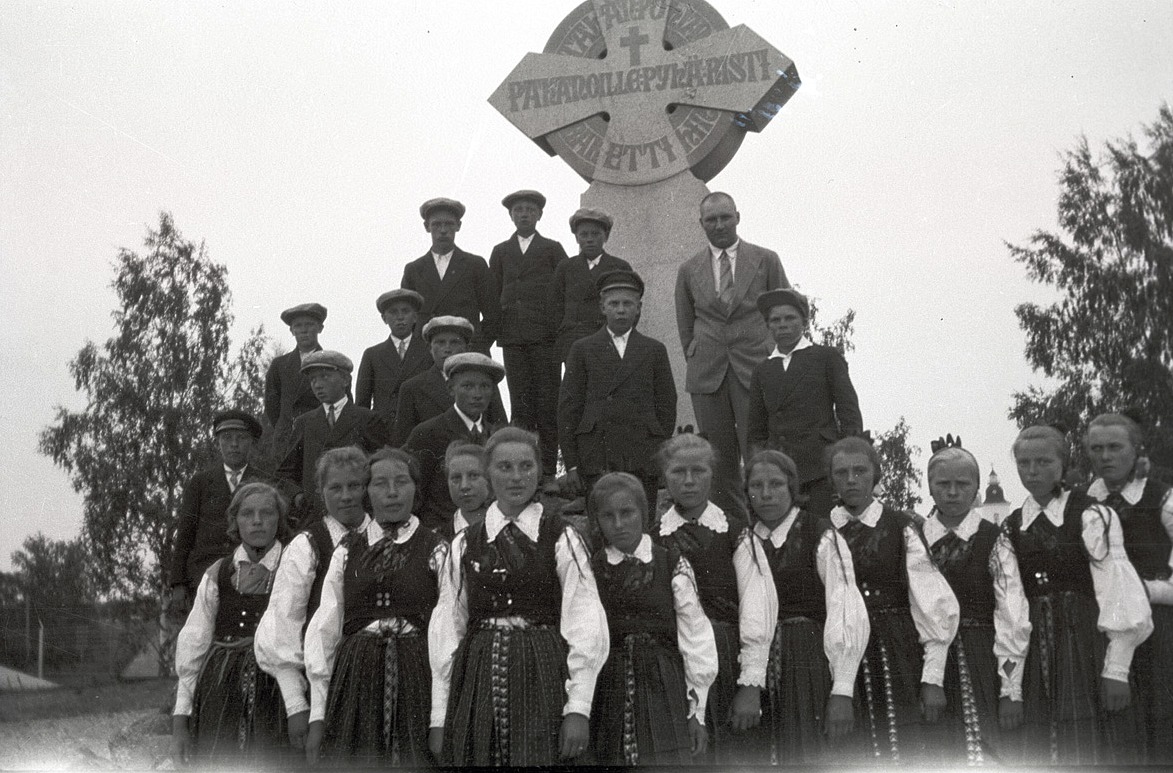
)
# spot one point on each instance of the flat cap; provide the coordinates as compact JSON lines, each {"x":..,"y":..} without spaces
{"x":524,"y":195}
{"x":234,"y":418}
{"x":593,"y":216}
{"x":315,"y":310}
{"x":450,"y":324}
{"x":452,"y":205}
{"x":620,"y":280}
{"x":326,"y":359}
{"x":785,"y":297}
{"x":474,"y":361}
{"x":401,"y":294}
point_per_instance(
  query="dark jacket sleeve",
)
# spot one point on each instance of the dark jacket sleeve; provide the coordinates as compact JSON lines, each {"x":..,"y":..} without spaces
{"x":664,"y":390}
{"x":364,"y":390}
{"x":571,"y":403}
{"x":488,"y":293}
{"x":290,"y":467}
{"x":185,"y":533}
{"x":757,"y":434}
{"x":375,"y":434}
{"x":847,"y":411}
{"x":273,"y":392}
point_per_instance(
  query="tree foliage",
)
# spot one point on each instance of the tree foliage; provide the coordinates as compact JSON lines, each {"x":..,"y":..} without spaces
{"x":151,"y":391}
{"x":54,"y":574}
{"x":1108,"y":339}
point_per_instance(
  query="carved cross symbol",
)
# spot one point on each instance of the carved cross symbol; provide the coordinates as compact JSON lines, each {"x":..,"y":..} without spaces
{"x":723,"y":78}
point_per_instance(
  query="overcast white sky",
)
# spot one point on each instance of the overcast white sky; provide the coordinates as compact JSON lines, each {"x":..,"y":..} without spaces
{"x":298,"y":140}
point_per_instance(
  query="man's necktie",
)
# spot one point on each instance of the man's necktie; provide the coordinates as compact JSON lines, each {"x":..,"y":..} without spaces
{"x":233,"y":480}
{"x":476,"y":436}
{"x":402,"y":349}
{"x":725,"y":285}
{"x":330,"y":416}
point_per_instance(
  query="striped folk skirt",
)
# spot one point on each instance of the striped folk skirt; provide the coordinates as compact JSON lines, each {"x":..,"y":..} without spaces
{"x":237,"y":714}
{"x":1064,"y":722}
{"x":640,"y":712}
{"x":723,"y":742}
{"x":887,"y":691}
{"x":508,"y":692}
{"x":968,"y":732}
{"x":1155,"y":686}
{"x":380,"y":702}
{"x":798,"y":683}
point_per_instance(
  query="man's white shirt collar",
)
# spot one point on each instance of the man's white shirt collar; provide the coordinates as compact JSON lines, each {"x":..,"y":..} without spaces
{"x":803,"y":343}
{"x":229,"y":472}
{"x":713,"y":518}
{"x":592,"y":262}
{"x":1054,"y":510}
{"x":447,"y":256}
{"x":642,"y":552}
{"x":1132,"y":492}
{"x":869,"y":517}
{"x":528,"y":520}
{"x":338,"y":406}
{"x":731,"y":251}
{"x":469,"y":423}
{"x":524,"y":241}
{"x":777,"y":535}
{"x":934,"y":530}
{"x":406,"y":340}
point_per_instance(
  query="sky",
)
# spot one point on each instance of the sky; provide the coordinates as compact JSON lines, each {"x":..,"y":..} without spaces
{"x":297,"y":140}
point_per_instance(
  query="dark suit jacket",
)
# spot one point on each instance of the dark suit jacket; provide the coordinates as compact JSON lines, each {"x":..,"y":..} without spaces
{"x":468,"y":290}
{"x":524,"y":281}
{"x":574,"y":298}
{"x":426,"y":395}
{"x":428,"y":443}
{"x":313,"y":436}
{"x":803,"y":409}
{"x":381,"y":373}
{"x":287,"y":391}
{"x":716,"y":338}
{"x":201,"y":534}
{"x":612,"y":413}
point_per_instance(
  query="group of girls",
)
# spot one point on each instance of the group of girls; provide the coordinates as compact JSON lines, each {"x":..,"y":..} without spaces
{"x":870,"y":635}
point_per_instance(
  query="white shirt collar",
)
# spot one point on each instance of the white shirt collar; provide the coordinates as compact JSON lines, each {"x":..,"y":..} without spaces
{"x":459,"y":522}
{"x":469,"y":423}
{"x":1054,"y":510}
{"x":934,"y":530}
{"x":374,"y":531}
{"x":442,"y":258}
{"x":1132,"y":492}
{"x":592,"y":262}
{"x":870,"y":517}
{"x":731,"y":251}
{"x":229,"y":471}
{"x":803,"y":343}
{"x":338,"y":531}
{"x":777,"y":535}
{"x":713,"y":518}
{"x":406,"y":340}
{"x":270,"y":560}
{"x":338,"y":406}
{"x":642,"y":552}
{"x":524,"y":241}
{"x":528,"y":520}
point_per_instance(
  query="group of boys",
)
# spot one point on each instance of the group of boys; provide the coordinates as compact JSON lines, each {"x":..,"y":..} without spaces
{"x":754,"y":377}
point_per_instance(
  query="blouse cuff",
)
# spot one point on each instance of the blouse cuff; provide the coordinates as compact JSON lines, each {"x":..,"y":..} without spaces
{"x":752,"y":676}
{"x":933,"y":671}
{"x":183,"y":700}
{"x":698,"y":701}
{"x":318,"y":695}
{"x":577,"y":706}
{"x":1012,"y":682}
{"x":844,"y":687}
{"x":293,"y":686}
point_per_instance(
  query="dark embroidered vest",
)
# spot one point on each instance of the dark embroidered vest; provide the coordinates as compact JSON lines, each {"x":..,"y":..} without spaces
{"x":796,"y":575}
{"x":399,"y":582}
{"x":323,"y":547}
{"x":513,"y":576}
{"x":711,"y":556}
{"x":1145,"y":539}
{"x":239,"y":613}
{"x":966,"y":567}
{"x":878,"y":555}
{"x":1053,"y":559}
{"x":638,"y":597}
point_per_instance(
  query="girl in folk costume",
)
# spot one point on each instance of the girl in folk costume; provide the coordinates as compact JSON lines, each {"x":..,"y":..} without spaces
{"x":822,"y":629}
{"x":1088,"y":613}
{"x":650,"y":698}
{"x":983,"y":674}
{"x":366,"y":646}
{"x":735,"y":586}
{"x":226,"y":709}
{"x":907,"y":600}
{"x":1144,"y":506}
{"x":341,"y":476}
{"x":464,"y":464}
{"x":518,"y":636}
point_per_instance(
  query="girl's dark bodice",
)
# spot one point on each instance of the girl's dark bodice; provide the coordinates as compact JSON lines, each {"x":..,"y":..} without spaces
{"x":1053,"y":559}
{"x":966,"y":566}
{"x":638,"y":597}
{"x":397,"y":581}
{"x":513,"y":576}
{"x":796,"y":576}
{"x":239,"y":613}
{"x":711,"y":556}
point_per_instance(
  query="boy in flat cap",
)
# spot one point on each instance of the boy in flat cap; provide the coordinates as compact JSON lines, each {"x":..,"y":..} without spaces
{"x":618,"y":398}
{"x":524,"y":268}
{"x":454,"y":282}
{"x":287,"y":390}
{"x":801,"y":399}
{"x":426,"y":395}
{"x":386,"y":365}
{"x":335,"y":423}
{"x":472,"y":380}
{"x":574,"y":299}
{"x":200,"y":535}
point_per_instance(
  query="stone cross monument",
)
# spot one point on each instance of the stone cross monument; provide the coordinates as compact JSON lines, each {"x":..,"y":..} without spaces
{"x":648,"y":100}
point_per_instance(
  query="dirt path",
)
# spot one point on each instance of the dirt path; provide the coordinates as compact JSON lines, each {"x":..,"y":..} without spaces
{"x":125,"y":740}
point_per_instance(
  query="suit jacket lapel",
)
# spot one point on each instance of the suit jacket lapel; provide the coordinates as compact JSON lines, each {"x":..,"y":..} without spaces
{"x":636,"y":345}
{"x":451,"y":276}
{"x":344,"y":421}
{"x":794,"y":373}
{"x":748,"y":263}
{"x":702,"y":270}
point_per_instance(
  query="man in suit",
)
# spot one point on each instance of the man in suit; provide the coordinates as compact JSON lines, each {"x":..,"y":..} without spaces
{"x":385,"y":366}
{"x":426,"y":395}
{"x":472,"y":378}
{"x":618,"y":398}
{"x":201,"y":535}
{"x":801,"y":399}
{"x":287,"y":390}
{"x":724,"y":337}
{"x":574,"y":291}
{"x":454,"y":282}
{"x":335,"y":423}
{"x":523,"y":267}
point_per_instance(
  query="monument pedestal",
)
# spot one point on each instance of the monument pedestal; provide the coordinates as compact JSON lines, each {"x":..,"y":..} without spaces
{"x":657,"y":227}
